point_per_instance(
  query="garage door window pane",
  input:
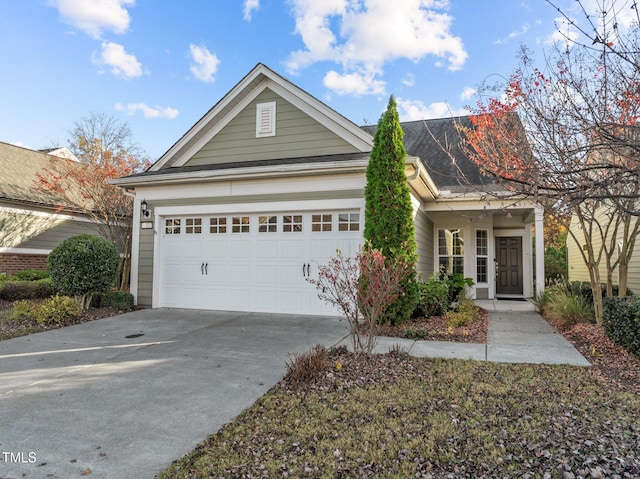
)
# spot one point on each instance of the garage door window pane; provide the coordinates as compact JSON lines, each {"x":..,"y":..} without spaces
{"x":349,"y":222}
{"x":240,"y":224}
{"x":172,"y":226}
{"x":292,"y":223}
{"x":193,"y":226}
{"x":267,"y":224}
{"x":218,"y":225}
{"x":321,"y":222}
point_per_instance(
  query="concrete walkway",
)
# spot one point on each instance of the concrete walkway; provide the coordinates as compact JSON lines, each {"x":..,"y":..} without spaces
{"x":516,"y":334}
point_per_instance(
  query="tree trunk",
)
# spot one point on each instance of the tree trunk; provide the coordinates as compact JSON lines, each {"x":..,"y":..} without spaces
{"x":596,"y":291}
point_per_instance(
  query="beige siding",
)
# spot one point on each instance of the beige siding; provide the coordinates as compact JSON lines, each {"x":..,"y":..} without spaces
{"x":297,"y":135}
{"x":577,"y":269}
{"x":37,"y":231}
{"x":575,"y":263}
{"x":424,"y":240}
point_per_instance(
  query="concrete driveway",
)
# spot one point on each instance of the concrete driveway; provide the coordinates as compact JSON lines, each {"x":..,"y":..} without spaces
{"x":123,"y":397}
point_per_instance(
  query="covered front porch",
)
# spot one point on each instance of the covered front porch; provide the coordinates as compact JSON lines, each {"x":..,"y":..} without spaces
{"x":498,"y":244}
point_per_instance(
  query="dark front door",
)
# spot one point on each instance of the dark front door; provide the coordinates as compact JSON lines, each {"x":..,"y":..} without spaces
{"x":509,"y":265}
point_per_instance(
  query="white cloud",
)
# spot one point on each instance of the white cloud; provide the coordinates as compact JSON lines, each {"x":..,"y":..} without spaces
{"x":95,"y":16}
{"x":353,"y":83}
{"x":205,"y":64}
{"x":468,"y":93}
{"x":565,"y":32}
{"x":249,"y":7}
{"x":411,"y":110}
{"x":122,"y":64}
{"x":409,"y":79}
{"x":514,"y":34}
{"x":147,"y":111}
{"x":363,"y":35}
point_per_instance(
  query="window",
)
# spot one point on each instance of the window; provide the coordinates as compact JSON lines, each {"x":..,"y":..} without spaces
{"x":266,"y":119}
{"x":218,"y":225}
{"x":482,"y":253}
{"x":349,"y":222}
{"x":292,"y":223}
{"x":240,"y":224}
{"x":267,"y":224}
{"x":172,"y":226}
{"x":193,"y":226}
{"x":451,"y":250}
{"x":321,"y":222}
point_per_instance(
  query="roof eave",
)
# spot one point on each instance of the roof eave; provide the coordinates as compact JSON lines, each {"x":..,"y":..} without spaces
{"x":252,"y":172}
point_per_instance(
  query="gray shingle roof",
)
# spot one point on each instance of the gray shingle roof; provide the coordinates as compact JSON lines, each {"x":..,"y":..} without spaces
{"x":438,"y":145}
{"x":19,"y":168}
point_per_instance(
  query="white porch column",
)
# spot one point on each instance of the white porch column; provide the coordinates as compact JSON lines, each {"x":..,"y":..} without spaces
{"x":539,"y":224}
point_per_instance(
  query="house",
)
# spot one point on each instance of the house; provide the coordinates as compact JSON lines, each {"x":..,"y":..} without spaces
{"x":31,"y":222}
{"x":604,"y":220}
{"x":269,"y":183}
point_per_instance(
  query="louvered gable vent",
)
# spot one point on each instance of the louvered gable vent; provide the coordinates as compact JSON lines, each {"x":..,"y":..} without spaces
{"x":266,"y":119}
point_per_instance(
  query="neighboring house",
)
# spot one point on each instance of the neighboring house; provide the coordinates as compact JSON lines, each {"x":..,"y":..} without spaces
{"x":31,"y":222}
{"x":576,"y":266}
{"x":239,"y":212}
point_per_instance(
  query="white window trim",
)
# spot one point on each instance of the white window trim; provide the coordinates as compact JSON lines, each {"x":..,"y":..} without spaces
{"x":266,"y":119}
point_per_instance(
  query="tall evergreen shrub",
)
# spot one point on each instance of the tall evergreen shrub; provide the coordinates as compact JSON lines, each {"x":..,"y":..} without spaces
{"x":388,"y":211}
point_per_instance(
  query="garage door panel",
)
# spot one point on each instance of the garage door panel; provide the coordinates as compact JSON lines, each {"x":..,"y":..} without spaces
{"x":240,"y":249}
{"x":218,"y":273}
{"x":257,"y":270}
{"x":291,"y":274}
{"x":267,"y":300}
{"x":216,"y":249}
{"x":240,"y":274}
{"x":267,"y":249}
{"x":292,"y":249}
{"x":323,"y":248}
{"x":267,"y":274}
{"x":179,"y":294}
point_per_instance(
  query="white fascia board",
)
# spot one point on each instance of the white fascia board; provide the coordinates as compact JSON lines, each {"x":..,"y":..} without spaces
{"x":307,"y":103}
{"x":209,"y":190}
{"x":479,"y":201}
{"x":206,"y":119}
{"x":224,"y":121}
{"x":249,"y":172}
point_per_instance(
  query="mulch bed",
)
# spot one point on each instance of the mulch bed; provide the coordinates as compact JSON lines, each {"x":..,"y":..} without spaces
{"x":31,"y":325}
{"x":437,"y":329}
{"x":609,"y":361}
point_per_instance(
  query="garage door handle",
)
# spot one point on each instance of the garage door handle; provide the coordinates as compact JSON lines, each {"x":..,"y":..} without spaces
{"x":306,"y":270}
{"x":202,"y":268}
{"x":206,"y":268}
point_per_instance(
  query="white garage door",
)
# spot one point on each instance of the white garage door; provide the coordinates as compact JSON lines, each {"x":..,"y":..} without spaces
{"x":252,"y":262}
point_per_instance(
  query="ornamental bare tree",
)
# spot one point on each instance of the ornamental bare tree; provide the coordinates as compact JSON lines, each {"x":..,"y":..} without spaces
{"x":579,"y":145}
{"x":106,"y":151}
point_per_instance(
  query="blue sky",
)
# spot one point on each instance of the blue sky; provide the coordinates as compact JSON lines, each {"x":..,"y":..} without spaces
{"x":161,"y":65}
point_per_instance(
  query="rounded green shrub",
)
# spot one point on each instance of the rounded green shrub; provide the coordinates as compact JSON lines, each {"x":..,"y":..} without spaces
{"x":83,"y":265}
{"x":434,"y":297}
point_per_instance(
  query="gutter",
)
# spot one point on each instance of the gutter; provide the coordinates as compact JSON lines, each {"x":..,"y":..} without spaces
{"x":254,"y":172}
{"x":419,"y":174}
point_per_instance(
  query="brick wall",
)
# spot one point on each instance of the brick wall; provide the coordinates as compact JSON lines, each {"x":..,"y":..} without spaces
{"x":11,"y":263}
